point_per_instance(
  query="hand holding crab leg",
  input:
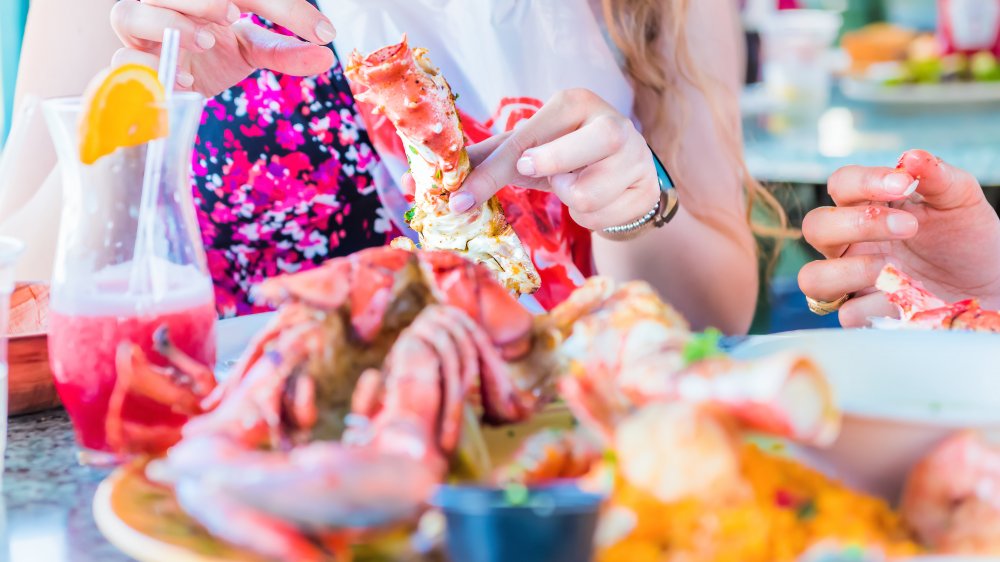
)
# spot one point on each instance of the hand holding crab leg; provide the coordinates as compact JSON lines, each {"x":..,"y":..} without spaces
{"x":951,"y":237}
{"x":582,"y":149}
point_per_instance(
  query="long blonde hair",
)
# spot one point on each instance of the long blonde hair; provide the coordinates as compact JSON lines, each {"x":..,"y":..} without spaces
{"x":638,"y":30}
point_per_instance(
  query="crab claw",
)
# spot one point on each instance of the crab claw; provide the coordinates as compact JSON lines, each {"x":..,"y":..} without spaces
{"x":137,"y":376}
{"x":473,"y":289}
{"x":366,"y":281}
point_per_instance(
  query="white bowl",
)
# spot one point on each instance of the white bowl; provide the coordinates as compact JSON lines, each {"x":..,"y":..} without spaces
{"x":901,"y":392}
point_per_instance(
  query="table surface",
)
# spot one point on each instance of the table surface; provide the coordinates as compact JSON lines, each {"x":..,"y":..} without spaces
{"x":808,"y":150}
{"x":48,"y":495}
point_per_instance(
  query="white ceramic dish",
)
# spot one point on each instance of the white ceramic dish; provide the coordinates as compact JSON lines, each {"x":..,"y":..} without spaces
{"x":901,"y":393}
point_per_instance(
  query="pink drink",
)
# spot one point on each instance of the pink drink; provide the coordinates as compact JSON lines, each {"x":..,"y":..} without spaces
{"x":83,"y":339}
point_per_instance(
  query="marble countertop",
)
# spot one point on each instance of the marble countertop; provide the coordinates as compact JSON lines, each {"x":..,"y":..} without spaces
{"x":47,"y":496}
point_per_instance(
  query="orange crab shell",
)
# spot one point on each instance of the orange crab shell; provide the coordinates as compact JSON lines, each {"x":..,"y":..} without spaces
{"x":396,"y":80}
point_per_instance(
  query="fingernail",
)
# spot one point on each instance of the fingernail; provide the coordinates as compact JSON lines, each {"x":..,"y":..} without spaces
{"x":185,"y":79}
{"x":325,"y":31}
{"x":901,"y":225}
{"x":896,"y":183}
{"x":461,"y":202}
{"x":233,"y":14}
{"x":913,"y":187}
{"x":526,"y":166}
{"x":205,"y":39}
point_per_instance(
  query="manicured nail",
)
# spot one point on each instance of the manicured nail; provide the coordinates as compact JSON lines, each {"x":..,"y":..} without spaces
{"x":185,"y":79}
{"x":901,"y":225}
{"x":526,"y":166}
{"x":461,"y":202}
{"x":897,"y":184}
{"x":233,"y":13}
{"x":205,"y":39}
{"x":325,"y":31}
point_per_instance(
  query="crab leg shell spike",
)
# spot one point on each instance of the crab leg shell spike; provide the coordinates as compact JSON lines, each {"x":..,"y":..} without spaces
{"x":403,"y":84}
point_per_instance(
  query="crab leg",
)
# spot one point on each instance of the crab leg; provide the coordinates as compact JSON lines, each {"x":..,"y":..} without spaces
{"x":907,"y":294}
{"x":920,"y":308}
{"x":402,"y":84}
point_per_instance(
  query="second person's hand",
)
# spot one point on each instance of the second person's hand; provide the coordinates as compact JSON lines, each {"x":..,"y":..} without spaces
{"x":950,"y":241}
{"x":219,"y":47}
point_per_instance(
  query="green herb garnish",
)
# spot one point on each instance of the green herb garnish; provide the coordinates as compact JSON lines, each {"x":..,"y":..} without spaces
{"x":515,"y":493}
{"x":610,"y":457}
{"x":703,"y":346}
{"x":408,"y":215}
{"x":806,"y":511}
{"x":413,"y":149}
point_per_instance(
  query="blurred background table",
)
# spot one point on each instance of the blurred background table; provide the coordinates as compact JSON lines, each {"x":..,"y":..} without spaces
{"x":848,"y":132}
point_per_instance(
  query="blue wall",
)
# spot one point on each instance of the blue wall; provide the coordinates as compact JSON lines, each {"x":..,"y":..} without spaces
{"x":12,"y":17}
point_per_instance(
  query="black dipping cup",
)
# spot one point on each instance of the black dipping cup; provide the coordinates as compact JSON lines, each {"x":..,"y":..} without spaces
{"x":556,"y":524}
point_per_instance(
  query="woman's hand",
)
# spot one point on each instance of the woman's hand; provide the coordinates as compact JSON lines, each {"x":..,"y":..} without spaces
{"x":578,"y":147}
{"x":218,"y":46}
{"x":950,"y":241}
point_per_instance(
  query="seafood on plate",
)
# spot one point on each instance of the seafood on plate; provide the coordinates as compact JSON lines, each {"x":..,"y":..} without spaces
{"x":407,"y":346}
{"x":415,"y":348}
{"x":401,"y":83}
{"x":665,"y":417}
{"x":952,"y":496}
{"x":919,"y":308}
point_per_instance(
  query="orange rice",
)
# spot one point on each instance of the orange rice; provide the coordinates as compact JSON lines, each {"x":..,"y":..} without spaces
{"x":787,"y":509}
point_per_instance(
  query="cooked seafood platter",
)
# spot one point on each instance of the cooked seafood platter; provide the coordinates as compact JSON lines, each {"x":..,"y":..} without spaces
{"x":400,"y":404}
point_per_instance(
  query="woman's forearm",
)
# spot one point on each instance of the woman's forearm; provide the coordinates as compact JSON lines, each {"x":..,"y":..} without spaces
{"x":65,"y":45}
{"x":710,"y":277}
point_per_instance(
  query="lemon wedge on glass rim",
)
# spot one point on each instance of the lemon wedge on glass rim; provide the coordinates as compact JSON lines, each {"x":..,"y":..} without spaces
{"x":122,"y":107}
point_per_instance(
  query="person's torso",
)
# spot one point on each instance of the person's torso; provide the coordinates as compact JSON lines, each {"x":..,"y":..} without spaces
{"x":504,"y":59}
{"x":282,"y":174}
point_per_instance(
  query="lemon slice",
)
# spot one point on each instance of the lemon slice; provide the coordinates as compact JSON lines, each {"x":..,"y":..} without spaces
{"x":122,"y":107}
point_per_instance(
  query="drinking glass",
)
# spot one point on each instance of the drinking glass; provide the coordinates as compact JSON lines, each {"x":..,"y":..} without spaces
{"x":116,"y":281}
{"x":797,"y":65}
{"x":10,"y":249}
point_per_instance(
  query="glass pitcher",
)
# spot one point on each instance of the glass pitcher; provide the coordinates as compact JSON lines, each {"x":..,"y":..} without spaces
{"x":112,"y":288}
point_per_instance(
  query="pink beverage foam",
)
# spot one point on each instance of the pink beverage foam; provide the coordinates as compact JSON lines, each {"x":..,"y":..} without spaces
{"x":86,"y":329}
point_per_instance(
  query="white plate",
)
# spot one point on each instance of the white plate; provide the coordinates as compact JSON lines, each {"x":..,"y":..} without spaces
{"x":901,"y":393}
{"x":232,"y":337}
{"x":921,"y":94}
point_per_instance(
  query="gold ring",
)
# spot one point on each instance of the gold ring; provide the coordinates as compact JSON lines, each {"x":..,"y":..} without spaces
{"x":822,"y":308}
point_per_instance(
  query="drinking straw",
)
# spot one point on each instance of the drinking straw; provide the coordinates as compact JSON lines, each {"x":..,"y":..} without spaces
{"x":14,"y":146}
{"x":146,"y":236}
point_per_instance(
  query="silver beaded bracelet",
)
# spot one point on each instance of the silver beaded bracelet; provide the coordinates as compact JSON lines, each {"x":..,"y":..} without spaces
{"x":665,"y":209}
{"x":636,"y":224}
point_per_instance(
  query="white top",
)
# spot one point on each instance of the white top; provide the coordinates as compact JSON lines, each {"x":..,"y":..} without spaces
{"x":492,"y":49}
{"x":503,"y":58}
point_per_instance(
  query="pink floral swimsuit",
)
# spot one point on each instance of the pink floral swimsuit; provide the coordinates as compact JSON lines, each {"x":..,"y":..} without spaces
{"x":282,"y":182}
